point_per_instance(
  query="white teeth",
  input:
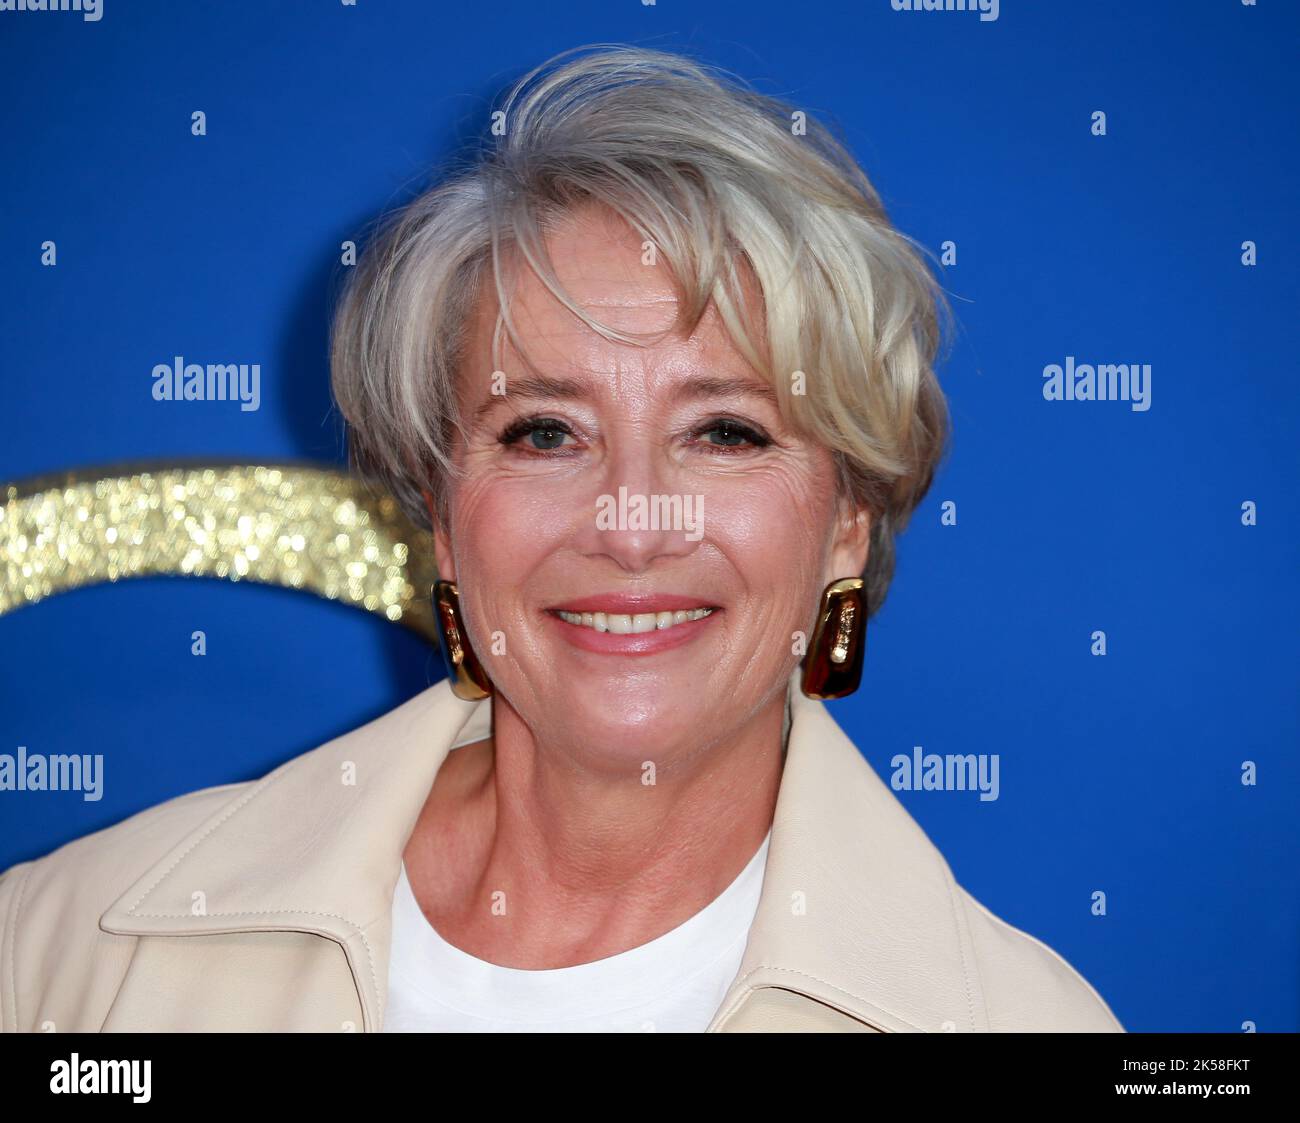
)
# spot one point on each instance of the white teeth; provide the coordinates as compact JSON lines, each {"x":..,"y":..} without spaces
{"x":623,"y":624}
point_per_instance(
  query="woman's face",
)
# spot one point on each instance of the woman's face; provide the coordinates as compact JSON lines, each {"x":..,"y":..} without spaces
{"x":544,"y":518}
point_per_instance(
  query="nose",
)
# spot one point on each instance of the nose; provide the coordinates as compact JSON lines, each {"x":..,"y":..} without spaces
{"x":638,"y":513}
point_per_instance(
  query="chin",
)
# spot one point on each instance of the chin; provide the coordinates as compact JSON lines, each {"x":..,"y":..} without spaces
{"x":633,"y":719}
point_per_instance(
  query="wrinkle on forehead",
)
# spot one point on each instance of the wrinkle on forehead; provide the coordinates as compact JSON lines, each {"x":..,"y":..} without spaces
{"x":596,"y":258}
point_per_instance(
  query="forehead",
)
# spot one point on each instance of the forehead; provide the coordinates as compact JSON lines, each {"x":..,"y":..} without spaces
{"x":600,"y":262}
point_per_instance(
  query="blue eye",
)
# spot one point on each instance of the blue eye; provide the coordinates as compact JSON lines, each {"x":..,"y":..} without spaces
{"x":546,"y":438}
{"x":548,"y":434}
{"x":732,"y":434}
{"x":545,"y":434}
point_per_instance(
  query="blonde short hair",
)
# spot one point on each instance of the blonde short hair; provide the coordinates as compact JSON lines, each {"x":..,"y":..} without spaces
{"x":717,"y":178}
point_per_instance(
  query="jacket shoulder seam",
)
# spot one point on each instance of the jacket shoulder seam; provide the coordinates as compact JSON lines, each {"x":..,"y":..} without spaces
{"x":1070,"y":970}
{"x":963,"y":935}
{"x":9,"y":937}
{"x":231,"y":811}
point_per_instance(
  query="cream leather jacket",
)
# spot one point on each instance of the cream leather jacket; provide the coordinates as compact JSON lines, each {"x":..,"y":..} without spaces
{"x":266,"y":905}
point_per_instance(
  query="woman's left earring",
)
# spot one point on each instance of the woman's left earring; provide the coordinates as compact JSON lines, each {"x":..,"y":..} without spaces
{"x":464,"y":671}
{"x":832,"y":667}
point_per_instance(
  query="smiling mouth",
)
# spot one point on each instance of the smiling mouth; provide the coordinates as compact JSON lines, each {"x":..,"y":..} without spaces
{"x":630,"y":624}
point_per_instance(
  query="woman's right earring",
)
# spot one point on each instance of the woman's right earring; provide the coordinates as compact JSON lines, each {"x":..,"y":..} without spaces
{"x":464,"y":671}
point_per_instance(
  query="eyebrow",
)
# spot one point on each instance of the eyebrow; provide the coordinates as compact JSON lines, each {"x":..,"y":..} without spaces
{"x":542,"y":386}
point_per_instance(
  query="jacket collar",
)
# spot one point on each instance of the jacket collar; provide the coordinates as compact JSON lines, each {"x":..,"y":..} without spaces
{"x":858,"y":909}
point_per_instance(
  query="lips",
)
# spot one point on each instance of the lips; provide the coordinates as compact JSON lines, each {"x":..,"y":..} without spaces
{"x":632,"y":624}
{"x":630,"y":604}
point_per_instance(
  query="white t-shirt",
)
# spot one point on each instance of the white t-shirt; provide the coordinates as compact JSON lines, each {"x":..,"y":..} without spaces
{"x":674,"y":983}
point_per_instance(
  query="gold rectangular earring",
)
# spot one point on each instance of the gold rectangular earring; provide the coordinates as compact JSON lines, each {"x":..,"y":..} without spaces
{"x":465,"y":672}
{"x":832,"y":666}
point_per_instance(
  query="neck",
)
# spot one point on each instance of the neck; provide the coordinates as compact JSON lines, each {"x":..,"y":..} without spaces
{"x":534,"y":854}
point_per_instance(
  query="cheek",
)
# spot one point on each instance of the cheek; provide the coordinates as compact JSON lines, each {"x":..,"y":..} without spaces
{"x":501,"y":530}
{"x":775,"y":526}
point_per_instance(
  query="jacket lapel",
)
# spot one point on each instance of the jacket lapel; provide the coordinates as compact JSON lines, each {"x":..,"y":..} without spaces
{"x":315,"y":846}
{"x":857,"y":925}
{"x":859,"y":911}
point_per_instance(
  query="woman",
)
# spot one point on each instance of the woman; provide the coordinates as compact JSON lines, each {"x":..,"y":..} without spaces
{"x":660,"y":374}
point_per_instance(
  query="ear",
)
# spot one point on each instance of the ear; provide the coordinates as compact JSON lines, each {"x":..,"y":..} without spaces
{"x":442,"y":554}
{"x":852,"y":542}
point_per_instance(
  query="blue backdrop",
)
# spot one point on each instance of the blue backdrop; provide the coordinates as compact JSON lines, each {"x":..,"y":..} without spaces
{"x":1120,"y":773}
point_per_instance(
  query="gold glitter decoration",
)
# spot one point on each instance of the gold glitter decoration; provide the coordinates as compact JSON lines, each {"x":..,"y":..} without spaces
{"x":301,"y":526}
